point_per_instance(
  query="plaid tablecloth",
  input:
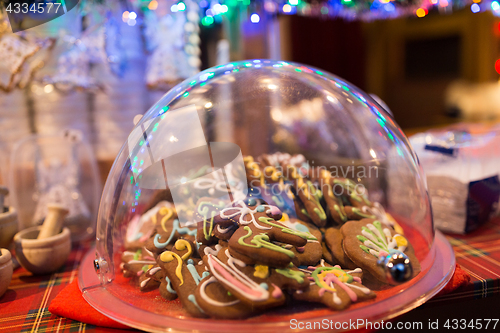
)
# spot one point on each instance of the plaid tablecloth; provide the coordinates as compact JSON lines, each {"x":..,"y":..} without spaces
{"x":24,"y":307}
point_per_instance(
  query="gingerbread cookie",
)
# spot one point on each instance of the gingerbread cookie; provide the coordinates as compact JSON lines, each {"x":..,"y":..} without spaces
{"x":141,"y":227}
{"x":258,"y":286}
{"x":367,"y":241}
{"x":334,"y":287}
{"x":219,"y":303}
{"x":206,"y":210}
{"x":151,"y":279}
{"x":184,"y":274}
{"x":258,"y":228}
{"x":333,"y":241}
{"x":168,"y":230}
{"x":311,"y":197}
{"x":309,"y":254}
{"x":136,"y":263}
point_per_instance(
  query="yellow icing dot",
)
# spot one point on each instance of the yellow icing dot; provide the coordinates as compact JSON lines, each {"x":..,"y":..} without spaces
{"x":284,"y":218}
{"x":261,"y":271}
{"x":400,"y":240}
{"x":167,"y":256}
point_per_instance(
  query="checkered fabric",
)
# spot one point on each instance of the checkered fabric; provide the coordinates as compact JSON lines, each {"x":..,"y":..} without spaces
{"x":478,"y":253}
{"x":24,"y":307}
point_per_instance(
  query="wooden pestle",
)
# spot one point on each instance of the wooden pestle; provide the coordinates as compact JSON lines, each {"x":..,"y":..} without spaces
{"x":54,"y":221}
{"x":3,"y":192}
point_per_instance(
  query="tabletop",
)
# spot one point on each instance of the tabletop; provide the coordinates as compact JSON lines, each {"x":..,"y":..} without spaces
{"x":24,"y":307}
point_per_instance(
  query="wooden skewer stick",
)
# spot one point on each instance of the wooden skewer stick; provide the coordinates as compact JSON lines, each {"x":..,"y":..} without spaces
{"x":3,"y":192}
{"x":54,"y":221}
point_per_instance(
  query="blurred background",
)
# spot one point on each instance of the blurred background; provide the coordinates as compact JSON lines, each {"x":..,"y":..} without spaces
{"x":433,"y":62}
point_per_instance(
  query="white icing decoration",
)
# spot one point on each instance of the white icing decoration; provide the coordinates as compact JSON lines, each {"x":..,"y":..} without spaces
{"x":143,"y":283}
{"x":243,"y":211}
{"x":356,"y":270}
{"x":364,"y":290}
{"x":222,"y":230}
{"x":263,"y":294}
{"x":379,"y":212}
{"x":153,"y":270}
{"x":207,"y":299}
{"x":208,"y":250}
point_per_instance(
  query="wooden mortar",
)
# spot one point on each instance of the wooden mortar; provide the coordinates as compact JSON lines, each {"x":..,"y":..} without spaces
{"x":44,"y":249}
{"x":6,"y":270}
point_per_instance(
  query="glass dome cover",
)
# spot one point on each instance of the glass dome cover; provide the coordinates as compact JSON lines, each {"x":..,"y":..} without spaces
{"x":264,"y":185}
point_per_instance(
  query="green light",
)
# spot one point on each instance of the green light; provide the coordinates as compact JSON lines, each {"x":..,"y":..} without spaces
{"x":141,"y":143}
{"x":390,"y":136}
{"x":135,"y":158}
{"x":248,"y":64}
{"x":162,"y":116}
{"x":381,"y":122}
{"x":207,"y":20}
{"x":192,"y":83}
{"x":298,"y":70}
{"x":236,"y":70}
{"x":345,"y":88}
{"x":318,"y":72}
{"x":202,"y":84}
{"x":495,"y":5}
{"x":293,"y":2}
{"x":181,"y":6}
{"x":246,"y":2}
{"x":224,"y":9}
{"x":186,"y":94}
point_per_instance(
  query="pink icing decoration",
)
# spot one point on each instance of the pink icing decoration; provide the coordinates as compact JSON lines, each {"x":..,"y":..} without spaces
{"x":321,"y":292}
{"x":231,"y":279}
{"x":146,"y":236}
{"x":383,"y":254}
{"x":139,"y":273}
{"x":300,"y":249}
{"x":274,"y":210}
{"x":332,"y":278}
{"x":277,"y":293}
{"x":357,"y":279}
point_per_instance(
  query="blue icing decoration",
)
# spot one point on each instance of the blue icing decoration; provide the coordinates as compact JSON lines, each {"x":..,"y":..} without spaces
{"x":169,"y":286}
{"x":261,"y":208}
{"x":264,"y":285}
{"x":190,"y":261}
{"x":205,"y":274}
{"x":194,"y":273}
{"x":182,"y":231}
{"x":139,"y":235}
{"x":301,"y":227}
{"x":192,"y":299}
{"x":252,"y":202}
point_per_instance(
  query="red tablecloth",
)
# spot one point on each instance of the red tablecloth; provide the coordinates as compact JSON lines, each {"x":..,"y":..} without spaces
{"x":24,"y":307}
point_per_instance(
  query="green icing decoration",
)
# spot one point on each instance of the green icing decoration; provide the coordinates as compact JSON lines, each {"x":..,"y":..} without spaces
{"x":320,"y":213}
{"x":262,"y":240}
{"x":291,"y":274}
{"x":360,"y":213}
{"x":137,"y":254}
{"x":287,"y":230}
{"x":343,"y":217}
{"x":203,"y":211}
{"x":316,"y":198}
{"x":321,"y":269}
{"x":304,"y":211}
